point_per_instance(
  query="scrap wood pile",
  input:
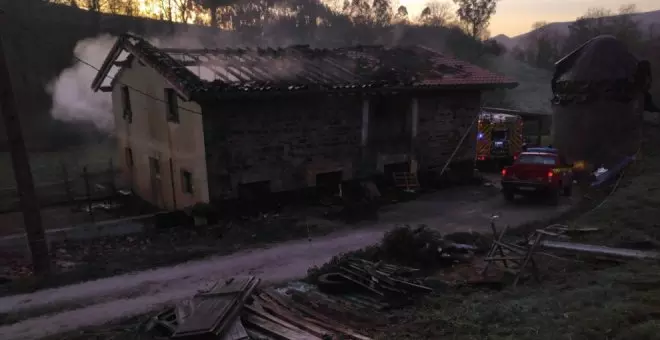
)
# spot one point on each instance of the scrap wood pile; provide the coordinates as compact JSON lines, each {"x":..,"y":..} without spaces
{"x":518,"y":258}
{"x":391,"y":285}
{"x":236,"y":309}
{"x":420,"y":247}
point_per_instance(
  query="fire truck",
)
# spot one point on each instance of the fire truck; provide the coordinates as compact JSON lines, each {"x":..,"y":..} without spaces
{"x":499,"y":137}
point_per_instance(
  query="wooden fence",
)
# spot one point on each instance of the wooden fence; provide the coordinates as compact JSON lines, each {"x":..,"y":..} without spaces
{"x":69,"y":185}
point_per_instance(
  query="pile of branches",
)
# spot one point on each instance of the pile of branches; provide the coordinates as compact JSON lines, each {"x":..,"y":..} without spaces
{"x":419,"y":247}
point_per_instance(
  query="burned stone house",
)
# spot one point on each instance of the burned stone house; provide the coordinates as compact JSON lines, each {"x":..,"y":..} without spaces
{"x":204,"y":125}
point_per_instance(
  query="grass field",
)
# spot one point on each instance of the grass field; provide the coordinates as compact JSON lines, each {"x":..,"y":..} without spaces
{"x":48,"y":167}
{"x":48,"y":171}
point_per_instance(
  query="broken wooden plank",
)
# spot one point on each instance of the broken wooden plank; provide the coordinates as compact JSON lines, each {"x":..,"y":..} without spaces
{"x":271,"y":318}
{"x":412,"y":286}
{"x":601,"y":250}
{"x":313,"y":316}
{"x":512,"y":248}
{"x":276,"y":330}
{"x":215,"y":311}
{"x":257,"y":335}
{"x":364,"y":282}
{"x":505,"y":258}
{"x":285,"y":315}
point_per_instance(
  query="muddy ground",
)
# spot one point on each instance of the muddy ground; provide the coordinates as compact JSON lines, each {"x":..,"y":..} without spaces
{"x":98,"y":302}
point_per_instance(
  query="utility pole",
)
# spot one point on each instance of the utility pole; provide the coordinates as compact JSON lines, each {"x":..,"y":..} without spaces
{"x":21,"y":165}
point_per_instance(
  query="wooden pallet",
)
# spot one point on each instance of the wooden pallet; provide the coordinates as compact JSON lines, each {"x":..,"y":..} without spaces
{"x":406,"y":181}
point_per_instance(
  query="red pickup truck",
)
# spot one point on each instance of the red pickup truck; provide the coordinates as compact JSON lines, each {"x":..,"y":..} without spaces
{"x":538,"y":173}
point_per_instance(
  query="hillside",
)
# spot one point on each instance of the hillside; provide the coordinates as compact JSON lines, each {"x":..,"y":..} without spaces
{"x":533,"y":93}
{"x":646,"y":21}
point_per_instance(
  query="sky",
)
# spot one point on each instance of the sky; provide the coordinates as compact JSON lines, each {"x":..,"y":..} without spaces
{"x":515,"y":17}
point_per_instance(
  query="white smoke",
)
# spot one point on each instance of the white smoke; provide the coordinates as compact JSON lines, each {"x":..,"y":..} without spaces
{"x":72,"y":96}
{"x":73,"y":99}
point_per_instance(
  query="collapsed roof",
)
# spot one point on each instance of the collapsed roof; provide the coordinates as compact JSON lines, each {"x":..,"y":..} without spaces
{"x":194,"y":73}
{"x":601,"y":58}
{"x":603,"y":67}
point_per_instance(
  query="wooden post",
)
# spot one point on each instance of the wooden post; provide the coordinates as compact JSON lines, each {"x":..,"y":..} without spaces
{"x":67,"y":184}
{"x":111,"y":173}
{"x":88,"y":194}
{"x":22,"y":172}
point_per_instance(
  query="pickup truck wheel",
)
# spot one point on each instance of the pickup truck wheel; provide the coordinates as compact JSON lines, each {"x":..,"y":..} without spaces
{"x":508,"y":195}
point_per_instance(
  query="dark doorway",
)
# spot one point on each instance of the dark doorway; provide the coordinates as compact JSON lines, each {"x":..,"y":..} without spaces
{"x":390,"y":169}
{"x":328,"y":184}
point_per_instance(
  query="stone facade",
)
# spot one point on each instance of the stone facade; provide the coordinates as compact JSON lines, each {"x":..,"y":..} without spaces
{"x":288,"y":141}
{"x":443,"y":120}
{"x":207,"y":125}
{"x":284,"y":140}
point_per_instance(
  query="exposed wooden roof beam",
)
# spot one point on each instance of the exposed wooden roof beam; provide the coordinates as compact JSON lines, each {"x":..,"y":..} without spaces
{"x":122,"y":63}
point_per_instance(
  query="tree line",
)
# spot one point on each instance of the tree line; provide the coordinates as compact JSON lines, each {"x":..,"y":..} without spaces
{"x":545,"y":45}
{"x":370,"y":19}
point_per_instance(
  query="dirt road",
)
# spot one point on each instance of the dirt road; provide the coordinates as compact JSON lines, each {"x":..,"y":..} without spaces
{"x":97,"y":302}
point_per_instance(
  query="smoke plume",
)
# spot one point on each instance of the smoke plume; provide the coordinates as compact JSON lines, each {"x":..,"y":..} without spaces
{"x":74,"y":100}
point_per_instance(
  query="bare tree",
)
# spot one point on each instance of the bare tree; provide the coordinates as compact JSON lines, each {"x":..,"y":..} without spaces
{"x":183,"y":9}
{"x":130,"y":7}
{"x":94,"y":5}
{"x":358,"y":10}
{"x":628,"y":9}
{"x":542,"y":45}
{"x":401,"y":16}
{"x":598,"y":21}
{"x":436,"y":14}
{"x":72,"y":3}
{"x":475,"y":15}
{"x":382,"y":12}
{"x":166,"y":10}
{"x":115,"y":7}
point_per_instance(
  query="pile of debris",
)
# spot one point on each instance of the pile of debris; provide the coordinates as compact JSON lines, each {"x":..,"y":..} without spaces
{"x":390,"y":284}
{"x":237,"y":310}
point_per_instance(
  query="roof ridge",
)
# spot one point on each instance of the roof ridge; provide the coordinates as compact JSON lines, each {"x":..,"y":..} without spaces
{"x":300,"y":66}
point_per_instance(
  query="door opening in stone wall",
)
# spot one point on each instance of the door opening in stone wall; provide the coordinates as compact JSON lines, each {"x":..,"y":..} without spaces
{"x":328,"y":185}
{"x":390,"y":169}
{"x":390,"y":124}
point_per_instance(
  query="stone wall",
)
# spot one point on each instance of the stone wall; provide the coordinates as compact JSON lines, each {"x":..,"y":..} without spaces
{"x":290,"y":140}
{"x":443,"y":120}
{"x":284,"y":140}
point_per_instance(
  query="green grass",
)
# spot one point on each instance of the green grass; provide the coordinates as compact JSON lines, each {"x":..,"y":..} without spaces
{"x":47,"y":167}
{"x":585,"y":301}
{"x":614,"y":303}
